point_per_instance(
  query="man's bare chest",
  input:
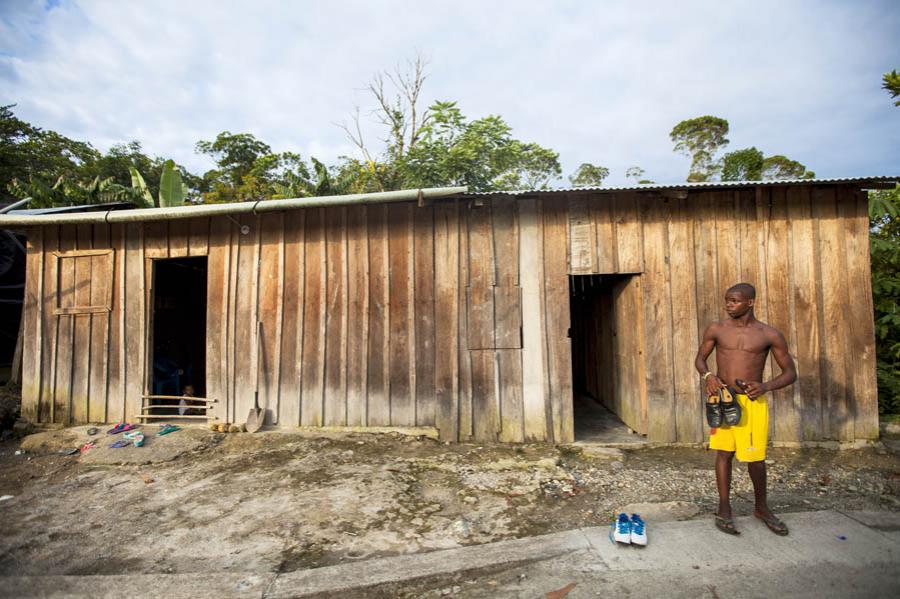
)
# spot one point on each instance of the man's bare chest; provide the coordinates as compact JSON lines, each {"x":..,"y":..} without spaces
{"x":752,"y":341}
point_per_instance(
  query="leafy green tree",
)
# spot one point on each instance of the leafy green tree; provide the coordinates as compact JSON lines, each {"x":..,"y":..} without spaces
{"x":782,"y":167}
{"x":750,"y":165}
{"x":635,"y":173}
{"x":482,"y":154}
{"x":588,"y":175}
{"x":234,"y":153}
{"x":891,"y":82}
{"x":700,"y":138}
{"x":34,"y":156}
{"x":438,"y":145}
{"x":884,"y":239}
{"x":119,"y":161}
{"x":247,"y":169}
{"x":743,"y":165}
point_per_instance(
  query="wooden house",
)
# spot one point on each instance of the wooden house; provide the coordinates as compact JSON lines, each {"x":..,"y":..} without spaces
{"x":475,"y":316}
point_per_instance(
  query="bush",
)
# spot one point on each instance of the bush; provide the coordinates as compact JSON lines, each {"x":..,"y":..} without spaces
{"x":884,"y":238}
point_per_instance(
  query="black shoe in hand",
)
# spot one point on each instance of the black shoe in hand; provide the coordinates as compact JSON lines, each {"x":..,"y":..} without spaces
{"x":731,"y":409}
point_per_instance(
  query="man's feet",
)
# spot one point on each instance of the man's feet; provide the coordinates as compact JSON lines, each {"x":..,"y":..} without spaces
{"x":772,"y":522}
{"x":726,"y":525}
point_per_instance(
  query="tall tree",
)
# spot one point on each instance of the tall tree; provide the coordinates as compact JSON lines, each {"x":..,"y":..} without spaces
{"x":700,"y":138}
{"x":743,"y":165}
{"x":588,"y":175}
{"x":750,"y":165}
{"x":782,"y":167}
{"x":35,"y":156}
{"x":481,"y":154}
{"x":118,"y":162}
{"x":437,"y":145}
{"x":234,"y":153}
{"x":247,"y":169}
{"x":400,"y":113}
{"x":891,"y":82}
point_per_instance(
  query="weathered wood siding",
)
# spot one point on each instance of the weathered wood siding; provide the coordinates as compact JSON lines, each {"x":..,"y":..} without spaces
{"x":805,"y":248}
{"x":456,"y":314}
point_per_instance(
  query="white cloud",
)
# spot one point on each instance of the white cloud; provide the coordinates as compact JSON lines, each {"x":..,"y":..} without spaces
{"x":598,"y":82}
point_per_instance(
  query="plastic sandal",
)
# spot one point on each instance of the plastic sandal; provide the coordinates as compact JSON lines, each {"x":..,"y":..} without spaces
{"x":119,"y":443}
{"x":137,"y":437}
{"x":774,"y":524}
{"x":116,"y":429}
{"x":166,"y":429}
{"x":726,"y":525}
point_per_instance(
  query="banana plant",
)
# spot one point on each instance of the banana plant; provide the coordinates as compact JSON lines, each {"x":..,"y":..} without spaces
{"x":171,"y":189}
{"x":43,"y":194}
{"x":69,"y":192}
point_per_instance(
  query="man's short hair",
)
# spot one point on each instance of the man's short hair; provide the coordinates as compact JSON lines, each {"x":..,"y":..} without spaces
{"x":745,"y":289}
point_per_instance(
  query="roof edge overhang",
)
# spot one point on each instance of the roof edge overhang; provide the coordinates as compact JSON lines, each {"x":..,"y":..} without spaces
{"x":879,"y":182}
{"x":205,"y":210}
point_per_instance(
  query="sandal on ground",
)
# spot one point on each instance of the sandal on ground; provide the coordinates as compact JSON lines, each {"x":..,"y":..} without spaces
{"x":774,"y":524}
{"x":714,"y":417}
{"x":137,"y":437}
{"x":166,"y":429}
{"x":731,"y":409}
{"x":726,"y":525}
{"x":116,"y":429}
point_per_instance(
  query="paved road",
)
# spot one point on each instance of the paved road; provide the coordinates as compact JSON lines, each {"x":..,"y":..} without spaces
{"x":692,"y":559}
{"x":828,"y":554}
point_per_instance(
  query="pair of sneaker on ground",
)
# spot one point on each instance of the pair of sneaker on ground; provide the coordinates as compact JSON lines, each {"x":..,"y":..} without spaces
{"x":630,"y":531}
{"x":723,"y":408}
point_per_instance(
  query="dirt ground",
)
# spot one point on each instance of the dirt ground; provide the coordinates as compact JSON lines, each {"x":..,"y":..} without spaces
{"x":197,"y":501}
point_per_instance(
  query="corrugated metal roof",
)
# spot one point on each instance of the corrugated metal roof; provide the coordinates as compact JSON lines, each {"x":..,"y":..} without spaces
{"x":205,"y":210}
{"x":71,"y":209}
{"x":704,"y":185}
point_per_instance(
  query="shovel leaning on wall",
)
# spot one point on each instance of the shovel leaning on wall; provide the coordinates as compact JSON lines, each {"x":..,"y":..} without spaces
{"x":255,"y":417}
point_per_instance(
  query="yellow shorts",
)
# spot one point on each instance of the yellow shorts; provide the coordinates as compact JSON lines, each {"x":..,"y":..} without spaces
{"x":748,"y":438}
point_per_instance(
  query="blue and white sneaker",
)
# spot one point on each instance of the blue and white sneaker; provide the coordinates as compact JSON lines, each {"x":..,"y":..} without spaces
{"x":622,"y":529}
{"x":638,"y":530}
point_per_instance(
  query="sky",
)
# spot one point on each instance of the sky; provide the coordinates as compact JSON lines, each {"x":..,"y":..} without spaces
{"x":601,"y":82}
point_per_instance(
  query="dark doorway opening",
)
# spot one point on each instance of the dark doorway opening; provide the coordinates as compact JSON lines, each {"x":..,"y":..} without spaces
{"x":592,"y":305}
{"x":12,"y":294}
{"x":179,"y":329}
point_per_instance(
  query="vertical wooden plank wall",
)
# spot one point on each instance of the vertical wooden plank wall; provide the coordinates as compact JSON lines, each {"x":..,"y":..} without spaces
{"x":368,"y":314}
{"x":358,"y":317}
{"x":804,"y":248}
{"x":32,"y":313}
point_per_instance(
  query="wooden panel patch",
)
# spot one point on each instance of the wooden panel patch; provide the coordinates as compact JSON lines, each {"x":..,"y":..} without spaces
{"x":480,"y":316}
{"x":96,"y":266}
{"x":582,"y":238}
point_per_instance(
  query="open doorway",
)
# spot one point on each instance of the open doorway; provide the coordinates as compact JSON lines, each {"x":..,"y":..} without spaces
{"x":179,"y":332}
{"x":602,"y":368}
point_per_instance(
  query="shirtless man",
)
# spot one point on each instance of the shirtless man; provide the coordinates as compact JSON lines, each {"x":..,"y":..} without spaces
{"x":742,"y":345}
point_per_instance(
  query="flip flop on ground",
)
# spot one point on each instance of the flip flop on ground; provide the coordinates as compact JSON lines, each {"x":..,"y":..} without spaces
{"x":773,"y":523}
{"x":726,"y":525}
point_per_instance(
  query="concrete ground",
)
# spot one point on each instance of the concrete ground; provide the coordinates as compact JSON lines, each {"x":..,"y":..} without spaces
{"x":596,"y":424}
{"x":828,"y":554}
